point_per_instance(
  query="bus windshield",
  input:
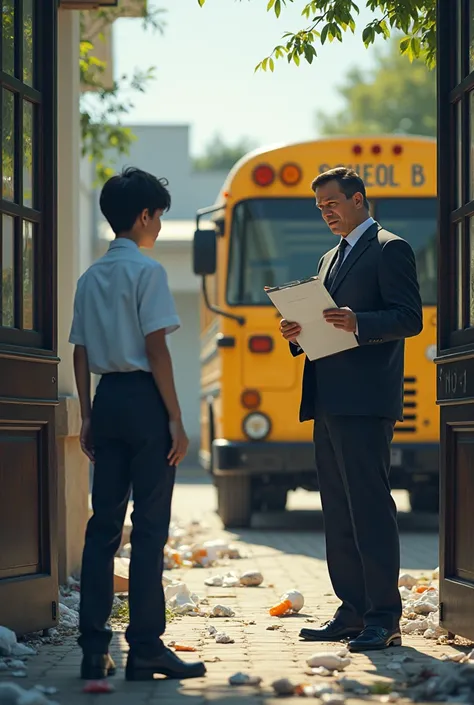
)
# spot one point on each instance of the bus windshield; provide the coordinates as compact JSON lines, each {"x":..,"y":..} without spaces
{"x":277,"y":240}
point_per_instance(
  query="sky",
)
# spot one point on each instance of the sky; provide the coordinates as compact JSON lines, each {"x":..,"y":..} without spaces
{"x":205,"y":71}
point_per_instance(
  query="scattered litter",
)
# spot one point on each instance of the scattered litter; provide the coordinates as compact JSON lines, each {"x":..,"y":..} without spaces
{"x":180,"y":600}
{"x":321,"y":671}
{"x":47,"y":689}
{"x":407,"y":580}
{"x":350,"y":685}
{"x":12,"y":694}
{"x":291,"y":601}
{"x":223,"y":638}
{"x":212,"y":630}
{"x":222,"y":611}
{"x":214,"y":581}
{"x":283,"y":686}
{"x":329,"y":660}
{"x":181,"y":647}
{"x":19,"y":674}
{"x":244,"y":679}
{"x":392,"y":697}
{"x":16,"y":664}
{"x":67,"y":616}
{"x":214,"y":659}
{"x":252,"y":578}
{"x":9,"y":645}
{"x":273,"y":627}
{"x":333,"y":698}
{"x":102,"y":686}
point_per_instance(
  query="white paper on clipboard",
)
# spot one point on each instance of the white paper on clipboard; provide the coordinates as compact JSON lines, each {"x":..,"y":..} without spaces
{"x":304,"y":303}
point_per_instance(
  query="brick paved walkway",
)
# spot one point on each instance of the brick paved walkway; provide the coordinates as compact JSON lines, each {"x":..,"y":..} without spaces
{"x":288,"y":558}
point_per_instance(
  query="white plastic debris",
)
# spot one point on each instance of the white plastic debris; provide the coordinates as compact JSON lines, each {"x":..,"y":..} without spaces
{"x":7,"y":641}
{"x":392,"y":697}
{"x":407,"y":580}
{"x":291,"y":601}
{"x":321,"y":671}
{"x":18,"y":674}
{"x":244,"y":679}
{"x":16,"y":664}
{"x":333,"y":698}
{"x":67,"y":616}
{"x":435,"y":574}
{"x":329,"y":660}
{"x":230,"y":580}
{"x":180,"y":600}
{"x":46,"y":689}
{"x":223,"y":638}
{"x":72,"y":601}
{"x":251,"y":578}
{"x":214,"y":581}
{"x":283,"y":686}
{"x":222,"y":611}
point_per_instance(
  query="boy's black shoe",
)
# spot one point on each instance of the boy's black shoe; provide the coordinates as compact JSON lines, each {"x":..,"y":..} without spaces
{"x":141,"y":668}
{"x":96,"y":667}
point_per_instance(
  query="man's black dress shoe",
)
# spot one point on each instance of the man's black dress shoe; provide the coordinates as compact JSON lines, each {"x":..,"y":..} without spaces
{"x":332,"y":631}
{"x":95,"y":667}
{"x":373,"y":638}
{"x":141,"y":668}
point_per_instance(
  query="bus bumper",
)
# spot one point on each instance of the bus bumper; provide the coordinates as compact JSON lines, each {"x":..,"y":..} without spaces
{"x":412,"y":464}
{"x":254,"y":458}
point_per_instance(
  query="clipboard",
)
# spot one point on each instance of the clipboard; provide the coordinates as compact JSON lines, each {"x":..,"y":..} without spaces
{"x":304,"y":301}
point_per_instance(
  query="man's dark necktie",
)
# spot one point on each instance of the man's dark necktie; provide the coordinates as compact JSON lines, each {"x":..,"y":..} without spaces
{"x":331,"y":277}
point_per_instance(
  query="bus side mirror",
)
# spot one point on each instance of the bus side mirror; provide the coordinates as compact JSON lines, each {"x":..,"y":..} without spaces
{"x":204,"y":252}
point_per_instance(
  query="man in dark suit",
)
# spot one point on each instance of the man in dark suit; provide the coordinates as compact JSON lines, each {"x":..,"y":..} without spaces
{"x":355,"y":397}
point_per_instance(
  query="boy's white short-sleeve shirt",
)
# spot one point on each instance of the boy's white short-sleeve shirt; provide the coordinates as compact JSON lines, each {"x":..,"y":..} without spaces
{"x":120,"y":299}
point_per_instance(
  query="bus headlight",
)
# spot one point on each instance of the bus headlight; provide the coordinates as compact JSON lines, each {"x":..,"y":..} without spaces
{"x":257,"y":426}
{"x":430,"y":352}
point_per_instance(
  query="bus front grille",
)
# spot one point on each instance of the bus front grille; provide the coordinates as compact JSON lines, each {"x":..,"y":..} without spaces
{"x":409,"y":424}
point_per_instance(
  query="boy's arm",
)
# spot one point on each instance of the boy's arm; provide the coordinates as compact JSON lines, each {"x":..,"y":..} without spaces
{"x":83,"y":384}
{"x":158,"y":317}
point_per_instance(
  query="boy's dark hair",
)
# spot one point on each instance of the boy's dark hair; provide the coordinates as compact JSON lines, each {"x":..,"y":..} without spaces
{"x":349,"y":182}
{"x":126,"y":195}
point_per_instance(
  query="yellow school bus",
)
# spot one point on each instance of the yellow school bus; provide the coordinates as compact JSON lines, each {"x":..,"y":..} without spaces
{"x":264,"y":230}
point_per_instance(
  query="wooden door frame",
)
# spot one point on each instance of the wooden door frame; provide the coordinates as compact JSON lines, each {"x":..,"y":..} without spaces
{"x":28,"y":358}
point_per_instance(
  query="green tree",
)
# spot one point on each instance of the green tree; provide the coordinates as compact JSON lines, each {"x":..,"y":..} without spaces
{"x":219,"y":155}
{"x":103,"y":108}
{"x":328,"y":20}
{"x":396,"y":96}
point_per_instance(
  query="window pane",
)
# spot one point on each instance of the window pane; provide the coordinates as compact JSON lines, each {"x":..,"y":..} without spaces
{"x":8,"y":145}
{"x":459,"y":279}
{"x":274,"y":241}
{"x":415,"y":220}
{"x":28,"y":276}
{"x":471,"y":141}
{"x":471,"y":272}
{"x":471,"y":36}
{"x":459,"y":198}
{"x":8,"y":272}
{"x":8,"y":36}
{"x":28,"y":150}
{"x":28,"y":38}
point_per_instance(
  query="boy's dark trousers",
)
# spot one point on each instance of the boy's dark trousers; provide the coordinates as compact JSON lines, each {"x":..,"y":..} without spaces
{"x":131,"y":439}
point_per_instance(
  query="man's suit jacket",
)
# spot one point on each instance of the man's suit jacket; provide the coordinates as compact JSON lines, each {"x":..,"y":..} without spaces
{"x":378,"y":281}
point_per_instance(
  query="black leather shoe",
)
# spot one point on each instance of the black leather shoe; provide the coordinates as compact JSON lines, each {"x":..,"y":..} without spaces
{"x":332,"y":631}
{"x":373,"y":638}
{"x":166,"y":664}
{"x":95,"y":667}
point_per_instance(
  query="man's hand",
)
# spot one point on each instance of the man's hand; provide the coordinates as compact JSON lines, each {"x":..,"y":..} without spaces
{"x":342,"y":318}
{"x":86,"y":439}
{"x":180,"y":443}
{"x":290,"y":330}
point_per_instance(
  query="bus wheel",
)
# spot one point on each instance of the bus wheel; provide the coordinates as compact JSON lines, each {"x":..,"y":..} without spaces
{"x":424,"y":499}
{"x":233,"y":501}
{"x":274,"y":499}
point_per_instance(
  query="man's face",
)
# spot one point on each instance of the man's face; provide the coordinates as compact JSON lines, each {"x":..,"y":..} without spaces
{"x":342,"y":214}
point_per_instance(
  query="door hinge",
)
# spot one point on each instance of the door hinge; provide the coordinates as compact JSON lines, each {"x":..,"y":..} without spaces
{"x":441,"y":611}
{"x":54,"y":610}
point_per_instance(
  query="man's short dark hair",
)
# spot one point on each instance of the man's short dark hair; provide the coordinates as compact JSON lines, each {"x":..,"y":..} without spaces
{"x":128,"y":194}
{"x":349,"y":182}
